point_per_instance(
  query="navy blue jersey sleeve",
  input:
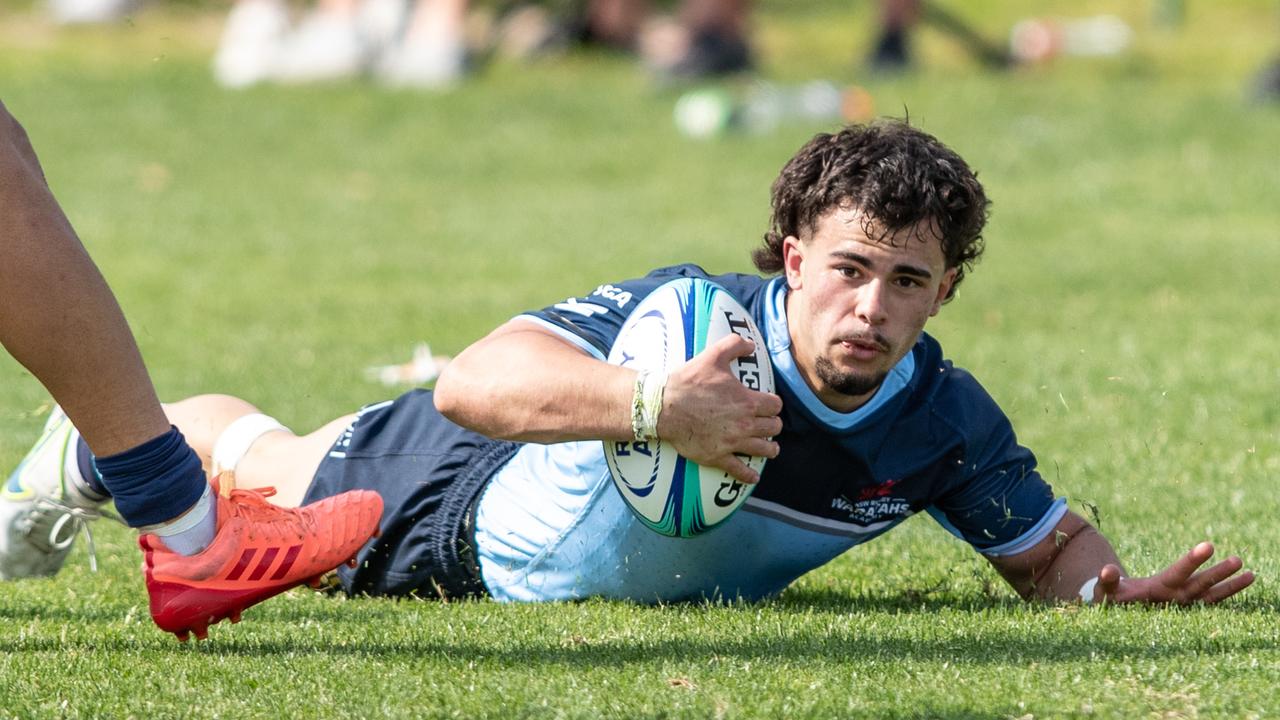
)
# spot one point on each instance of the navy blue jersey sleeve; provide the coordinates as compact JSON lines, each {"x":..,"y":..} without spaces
{"x":592,"y":321}
{"x":1000,"y":505}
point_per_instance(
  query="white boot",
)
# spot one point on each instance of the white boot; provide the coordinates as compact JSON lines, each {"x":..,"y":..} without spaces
{"x":250,"y":41}
{"x":42,"y":508}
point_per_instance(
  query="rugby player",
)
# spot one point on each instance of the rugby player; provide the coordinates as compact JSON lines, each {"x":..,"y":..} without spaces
{"x":59,"y":319}
{"x":496,"y":483}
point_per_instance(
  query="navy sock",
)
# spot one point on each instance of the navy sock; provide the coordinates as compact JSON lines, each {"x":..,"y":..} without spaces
{"x":155,"y":481}
{"x":89,"y":471}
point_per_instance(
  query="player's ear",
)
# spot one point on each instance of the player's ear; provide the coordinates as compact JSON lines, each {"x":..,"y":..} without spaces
{"x":792,"y":259}
{"x":944,"y":289}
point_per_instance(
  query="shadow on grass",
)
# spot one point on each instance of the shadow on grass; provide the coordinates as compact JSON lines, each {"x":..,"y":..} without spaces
{"x":907,"y":601}
{"x":378,"y":630}
{"x":931,"y":600}
{"x":949,"y":713}
{"x":854,"y":648}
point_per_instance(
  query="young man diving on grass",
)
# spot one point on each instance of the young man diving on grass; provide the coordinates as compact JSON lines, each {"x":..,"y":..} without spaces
{"x":496,"y":485}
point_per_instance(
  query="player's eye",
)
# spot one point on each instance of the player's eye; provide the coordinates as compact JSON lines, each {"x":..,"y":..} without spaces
{"x":908,"y":282}
{"x":848,"y":271}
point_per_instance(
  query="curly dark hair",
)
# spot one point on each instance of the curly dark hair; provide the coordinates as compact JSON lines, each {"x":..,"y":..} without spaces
{"x":896,"y":175}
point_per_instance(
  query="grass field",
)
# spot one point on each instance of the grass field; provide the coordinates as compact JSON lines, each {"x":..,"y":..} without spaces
{"x":271,"y":243}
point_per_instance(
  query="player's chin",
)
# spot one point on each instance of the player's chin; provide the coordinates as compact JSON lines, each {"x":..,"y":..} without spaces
{"x":853,"y":382}
{"x":859,"y":385}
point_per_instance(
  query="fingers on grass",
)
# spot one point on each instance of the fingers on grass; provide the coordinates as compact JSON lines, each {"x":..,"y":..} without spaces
{"x":1108,"y":585}
{"x":1180,"y":571}
{"x":1227,"y":588}
{"x":1109,"y":578}
{"x":1202,"y":581}
{"x":1218,"y":582}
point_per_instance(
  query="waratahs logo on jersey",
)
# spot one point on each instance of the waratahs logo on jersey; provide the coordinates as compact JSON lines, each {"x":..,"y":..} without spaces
{"x":874,"y":504}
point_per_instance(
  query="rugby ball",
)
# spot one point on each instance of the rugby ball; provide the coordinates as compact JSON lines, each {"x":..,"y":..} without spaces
{"x":669,"y":493}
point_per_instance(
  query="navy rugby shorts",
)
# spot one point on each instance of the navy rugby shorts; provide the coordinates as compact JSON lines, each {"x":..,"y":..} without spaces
{"x":430,"y":473}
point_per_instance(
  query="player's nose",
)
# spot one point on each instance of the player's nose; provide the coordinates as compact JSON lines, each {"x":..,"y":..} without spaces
{"x":869,"y":306}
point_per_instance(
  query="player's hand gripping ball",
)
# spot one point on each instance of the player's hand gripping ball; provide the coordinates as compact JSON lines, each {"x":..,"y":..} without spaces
{"x":669,"y":493}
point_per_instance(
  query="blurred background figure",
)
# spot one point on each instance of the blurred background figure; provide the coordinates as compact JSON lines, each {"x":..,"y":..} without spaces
{"x":1266,"y":86}
{"x":70,"y":12}
{"x":402,"y":43}
{"x":705,"y":38}
{"x":701,"y":38}
{"x":423,"y":43}
{"x":891,"y":52}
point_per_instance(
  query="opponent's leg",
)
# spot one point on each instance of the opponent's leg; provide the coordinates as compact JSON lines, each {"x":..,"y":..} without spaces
{"x":258,"y":551}
{"x":286,"y":546}
{"x":202,"y":418}
{"x":60,"y":320}
{"x":288,"y":462}
{"x":230,"y":434}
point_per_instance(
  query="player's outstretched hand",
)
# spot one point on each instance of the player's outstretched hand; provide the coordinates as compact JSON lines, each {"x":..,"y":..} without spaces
{"x":1182,"y":583}
{"x":709,"y":416}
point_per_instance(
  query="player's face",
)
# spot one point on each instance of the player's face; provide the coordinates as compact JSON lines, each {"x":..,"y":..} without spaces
{"x":857,"y":305}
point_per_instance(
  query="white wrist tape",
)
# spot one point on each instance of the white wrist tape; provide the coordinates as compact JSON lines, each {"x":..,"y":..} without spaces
{"x":238,"y":437}
{"x":1086,"y":590}
{"x":646,"y":404}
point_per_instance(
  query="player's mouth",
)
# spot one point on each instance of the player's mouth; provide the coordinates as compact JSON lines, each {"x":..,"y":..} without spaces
{"x":864,"y":347}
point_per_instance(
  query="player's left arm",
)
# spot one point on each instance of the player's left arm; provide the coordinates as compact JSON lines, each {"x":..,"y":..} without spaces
{"x":1076,"y":558}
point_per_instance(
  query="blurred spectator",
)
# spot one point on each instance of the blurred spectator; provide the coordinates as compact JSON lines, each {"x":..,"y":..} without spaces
{"x":705,"y":38}
{"x":891,"y":52}
{"x":419,"y":44}
{"x":1266,"y":86}
{"x":250,"y":40}
{"x":422,"y":44}
{"x":433,"y":49}
{"x":70,"y":12}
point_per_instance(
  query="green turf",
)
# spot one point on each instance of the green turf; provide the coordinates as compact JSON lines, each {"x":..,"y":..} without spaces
{"x":271,"y":243}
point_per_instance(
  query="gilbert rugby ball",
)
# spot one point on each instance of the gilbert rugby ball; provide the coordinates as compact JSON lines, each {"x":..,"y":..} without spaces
{"x":670,"y":494}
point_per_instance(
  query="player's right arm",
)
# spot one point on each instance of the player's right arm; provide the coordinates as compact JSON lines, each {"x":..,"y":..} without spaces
{"x":524,"y":382}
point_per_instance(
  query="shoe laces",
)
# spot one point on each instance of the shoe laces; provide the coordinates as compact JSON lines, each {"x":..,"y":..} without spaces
{"x":71,"y":520}
{"x":261,"y":515}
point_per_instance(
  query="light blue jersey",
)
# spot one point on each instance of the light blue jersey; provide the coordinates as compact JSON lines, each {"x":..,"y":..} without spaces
{"x":579,"y":539}
{"x":551,"y":526}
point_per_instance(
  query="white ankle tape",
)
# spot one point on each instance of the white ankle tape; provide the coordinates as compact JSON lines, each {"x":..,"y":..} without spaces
{"x":190,"y":519}
{"x":238,"y":437}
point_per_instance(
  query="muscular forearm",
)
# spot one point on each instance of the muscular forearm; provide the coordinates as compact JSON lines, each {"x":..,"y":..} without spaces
{"x":59,"y":318}
{"x":1060,"y":564}
{"x":522,"y":383}
{"x":1082,"y":557}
